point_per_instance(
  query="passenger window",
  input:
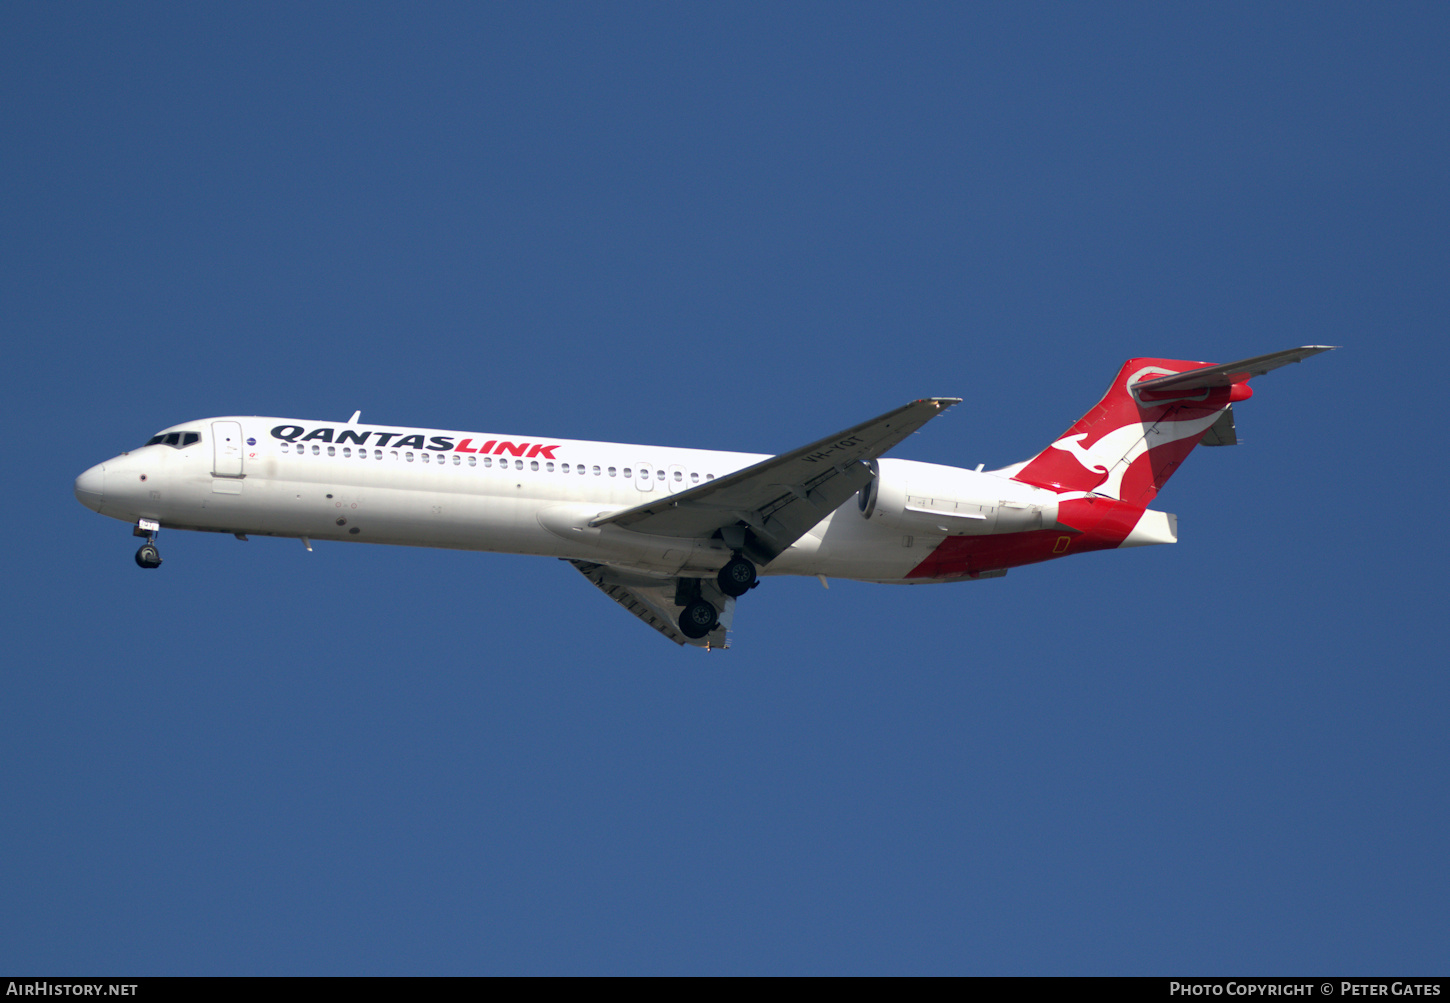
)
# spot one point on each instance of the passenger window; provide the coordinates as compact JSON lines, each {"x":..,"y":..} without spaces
{"x":472,"y":460}
{"x":563,"y":468}
{"x":456,"y":460}
{"x":611,"y":471}
{"x":424,"y":457}
{"x":518,"y":464}
{"x":377,"y":454}
{"x":709,"y":477}
{"x":316,"y":449}
{"x":488,"y":461}
{"x":694,"y":477}
{"x":549,"y":467}
{"x":408,"y":456}
{"x":679,"y":476}
{"x":627,"y":474}
{"x":534,"y":465}
{"x":394,"y":452}
{"x":596,"y":471}
{"x":660,"y":474}
{"x":346,"y":451}
{"x":331,"y":450}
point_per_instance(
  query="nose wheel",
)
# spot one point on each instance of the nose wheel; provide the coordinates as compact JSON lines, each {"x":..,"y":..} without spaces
{"x":148,"y":556}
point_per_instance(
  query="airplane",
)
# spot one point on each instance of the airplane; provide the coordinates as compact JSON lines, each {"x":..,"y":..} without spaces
{"x":674,"y":535}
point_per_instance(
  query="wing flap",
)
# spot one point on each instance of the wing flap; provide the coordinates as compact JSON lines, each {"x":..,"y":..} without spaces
{"x":778,"y":500}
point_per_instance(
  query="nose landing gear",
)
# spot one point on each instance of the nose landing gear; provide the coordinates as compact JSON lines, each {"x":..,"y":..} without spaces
{"x":148,"y":556}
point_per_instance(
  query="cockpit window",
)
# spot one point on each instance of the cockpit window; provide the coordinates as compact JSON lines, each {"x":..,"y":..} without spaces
{"x":179,"y":440}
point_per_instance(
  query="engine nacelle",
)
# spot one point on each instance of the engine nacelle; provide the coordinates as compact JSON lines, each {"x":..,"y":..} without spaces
{"x":929,"y":500}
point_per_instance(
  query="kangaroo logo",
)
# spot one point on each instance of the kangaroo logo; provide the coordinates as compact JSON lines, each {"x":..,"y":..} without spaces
{"x":1072,"y":445}
{"x":1110,"y":457}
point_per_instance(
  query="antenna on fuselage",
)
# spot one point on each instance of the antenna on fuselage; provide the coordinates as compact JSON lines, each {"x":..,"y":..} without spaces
{"x":355,"y":416}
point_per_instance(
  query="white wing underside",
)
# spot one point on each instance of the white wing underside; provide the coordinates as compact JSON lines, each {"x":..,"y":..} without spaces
{"x":652,"y":599}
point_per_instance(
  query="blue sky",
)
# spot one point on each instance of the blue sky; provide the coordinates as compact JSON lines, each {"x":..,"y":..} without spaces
{"x":730,"y":226}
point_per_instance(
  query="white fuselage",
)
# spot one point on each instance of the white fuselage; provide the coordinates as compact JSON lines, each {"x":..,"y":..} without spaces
{"x":490,"y":492}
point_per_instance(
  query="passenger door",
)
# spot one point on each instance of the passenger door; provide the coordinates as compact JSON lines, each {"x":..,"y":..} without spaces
{"x":226,"y":444}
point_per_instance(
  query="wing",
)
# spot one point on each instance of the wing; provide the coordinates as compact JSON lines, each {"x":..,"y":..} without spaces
{"x":1230,"y":372}
{"x":764,"y":508}
{"x":653,"y":601}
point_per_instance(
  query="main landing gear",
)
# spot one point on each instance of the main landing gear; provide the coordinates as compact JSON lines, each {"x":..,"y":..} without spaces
{"x":698,"y":619}
{"x":699,"y":615}
{"x":148,"y":556}
{"x":737,"y":577}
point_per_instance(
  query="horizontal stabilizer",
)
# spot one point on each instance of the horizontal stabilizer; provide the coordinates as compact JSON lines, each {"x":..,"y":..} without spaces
{"x":1230,"y":372}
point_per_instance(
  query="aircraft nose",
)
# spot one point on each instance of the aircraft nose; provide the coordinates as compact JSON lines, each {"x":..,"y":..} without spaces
{"x":91,"y":487}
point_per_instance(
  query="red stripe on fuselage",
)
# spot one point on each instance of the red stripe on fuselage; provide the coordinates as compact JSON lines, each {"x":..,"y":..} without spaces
{"x":1100,"y":524}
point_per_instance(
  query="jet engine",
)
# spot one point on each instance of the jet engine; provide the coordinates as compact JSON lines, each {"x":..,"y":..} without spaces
{"x":925,"y":499}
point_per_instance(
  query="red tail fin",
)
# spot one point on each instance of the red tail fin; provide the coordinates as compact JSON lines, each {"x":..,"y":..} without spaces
{"x":1131,"y":442}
